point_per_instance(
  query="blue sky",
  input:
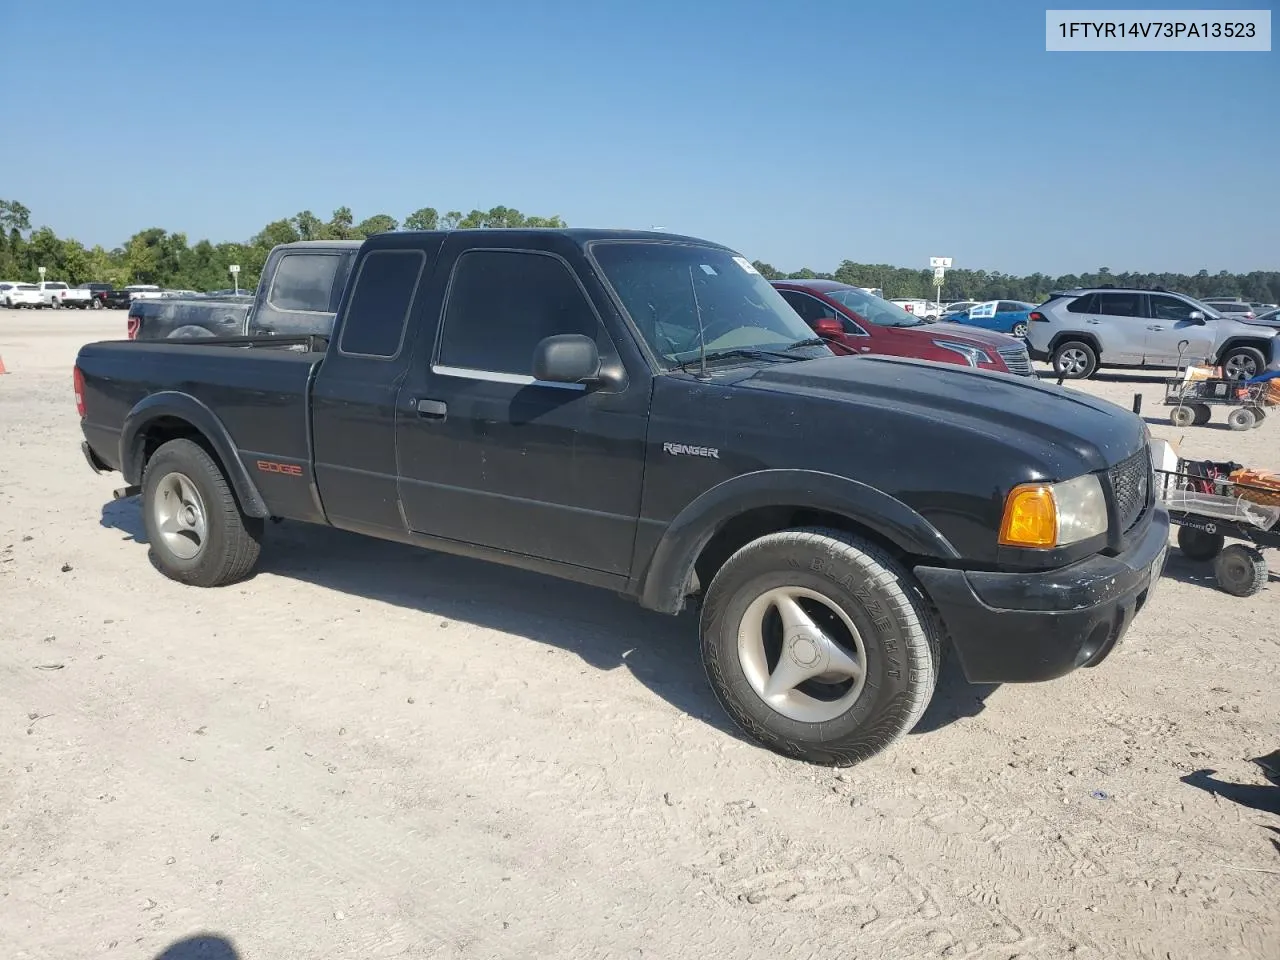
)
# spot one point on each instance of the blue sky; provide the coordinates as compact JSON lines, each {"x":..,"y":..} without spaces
{"x":801,"y":133}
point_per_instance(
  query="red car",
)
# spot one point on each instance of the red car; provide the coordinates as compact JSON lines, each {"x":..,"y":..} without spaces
{"x":853,"y":321}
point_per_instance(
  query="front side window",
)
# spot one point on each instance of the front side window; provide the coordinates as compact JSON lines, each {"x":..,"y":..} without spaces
{"x":502,"y":304}
{"x":1170,"y":308}
{"x":303,"y":282}
{"x":682,"y":297}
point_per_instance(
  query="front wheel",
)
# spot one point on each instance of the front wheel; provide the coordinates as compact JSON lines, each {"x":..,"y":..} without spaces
{"x":1182,"y":416}
{"x":1241,"y":363}
{"x":819,"y":645}
{"x":1199,"y":545}
{"x":197,"y":532}
{"x":1241,"y":418}
{"x":1075,"y":360}
{"x":1241,"y":570}
{"x":1019,"y":330}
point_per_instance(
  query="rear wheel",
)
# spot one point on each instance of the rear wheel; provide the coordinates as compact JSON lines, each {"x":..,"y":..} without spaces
{"x":1019,"y":329}
{"x":1241,"y":418}
{"x":1198,"y":545}
{"x":1075,"y":360}
{"x":1203,"y":414}
{"x":197,"y":532}
{"x":819,"y":645}
{"x":1241,"y":570}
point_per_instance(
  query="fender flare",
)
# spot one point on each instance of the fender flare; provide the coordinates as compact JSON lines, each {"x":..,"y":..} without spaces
{"x":183,"y":406}
{"x":663,"y":586}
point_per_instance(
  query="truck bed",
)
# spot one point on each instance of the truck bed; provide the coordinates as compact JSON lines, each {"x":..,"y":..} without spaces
{"x":258,"y":385}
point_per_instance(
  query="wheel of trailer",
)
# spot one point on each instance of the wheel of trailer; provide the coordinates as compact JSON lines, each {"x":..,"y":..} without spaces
{"x":819,"y":645}
{"x":197,"y":532}
{"x":1019,"y":329}
{"x":1241,"y":570}
{"x":1259,"y":414}
{"x":1199,"y":545}
{"x":1182,"y":416}
{"x":1075,"y":360}
{"x":1203,"y":414}
{"x":1241,"y":418}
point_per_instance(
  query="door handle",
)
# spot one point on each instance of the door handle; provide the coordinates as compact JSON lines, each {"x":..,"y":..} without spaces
{"x":433,"y":409}
{"x":1091,"y":320}
{"x":1155,"y":328}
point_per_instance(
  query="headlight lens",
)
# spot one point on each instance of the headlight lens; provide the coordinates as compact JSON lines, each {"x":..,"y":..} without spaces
{"x":974,"y":355}
{"x":1054,"y":514}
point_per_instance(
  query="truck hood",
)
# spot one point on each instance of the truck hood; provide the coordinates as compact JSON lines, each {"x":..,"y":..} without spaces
{"x":1042,"y":418}
{"x":967,"y":334}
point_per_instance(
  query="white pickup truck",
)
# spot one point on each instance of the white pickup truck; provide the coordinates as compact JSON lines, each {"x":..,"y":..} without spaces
{"x":55,"y":293}
{"x":925,"y":309}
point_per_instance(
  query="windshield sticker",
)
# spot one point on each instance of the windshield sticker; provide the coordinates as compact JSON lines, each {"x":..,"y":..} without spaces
{"x":983,"y":310}
{"x":709,"y":270}
{"x":745,"y":265}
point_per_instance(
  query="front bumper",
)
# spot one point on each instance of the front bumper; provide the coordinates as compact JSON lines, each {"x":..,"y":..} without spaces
{"x":1025,"y":628}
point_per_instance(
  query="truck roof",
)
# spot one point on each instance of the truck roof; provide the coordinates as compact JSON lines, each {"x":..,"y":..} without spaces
{"x":577,"y":235}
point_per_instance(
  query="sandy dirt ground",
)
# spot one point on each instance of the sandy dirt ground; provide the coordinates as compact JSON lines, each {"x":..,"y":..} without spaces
{"x":373,"y":751}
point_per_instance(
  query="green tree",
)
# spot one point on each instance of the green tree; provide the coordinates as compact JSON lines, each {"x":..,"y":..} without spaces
{"x":378,"y":223}
{"x":426,"y":218}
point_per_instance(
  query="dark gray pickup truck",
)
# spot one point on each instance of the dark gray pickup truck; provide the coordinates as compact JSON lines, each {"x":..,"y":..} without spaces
{"x":643,"y":412}
{"x":298,"y":293}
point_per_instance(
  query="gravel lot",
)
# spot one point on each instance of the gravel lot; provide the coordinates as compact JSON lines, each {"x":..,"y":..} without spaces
{"x":373,"y":751}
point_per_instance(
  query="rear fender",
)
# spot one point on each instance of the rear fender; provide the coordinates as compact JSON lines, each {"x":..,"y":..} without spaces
{"x":184,"y":407}
{"x":668,"y":573}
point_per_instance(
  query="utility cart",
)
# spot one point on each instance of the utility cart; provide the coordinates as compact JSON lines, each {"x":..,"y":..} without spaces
{"x":1193,"y":398}
{"x":1208,"y":507}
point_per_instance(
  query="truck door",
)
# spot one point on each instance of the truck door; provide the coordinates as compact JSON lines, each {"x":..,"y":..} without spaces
{"x":490,"y":456}
{"x":353,"y":400}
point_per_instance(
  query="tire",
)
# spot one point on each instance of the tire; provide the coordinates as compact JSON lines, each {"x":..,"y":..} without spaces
{"x":836,"y":581}
{"x":1198,"y":545}
{"x":1241,"y":570}
{"x":1241,"y":418}
{"x":184,"y":483}
{"x":1241,"y":363}
{"x":1075,"y":360}
{"x":1019,"y":330}
{"x":1182,"y":416}
{"x":1259,"y":414}
{"x":1204,"y":413}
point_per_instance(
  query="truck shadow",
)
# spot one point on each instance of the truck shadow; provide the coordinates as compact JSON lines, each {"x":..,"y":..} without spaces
{"x":202,"y":947}
{"x":605,"y":630}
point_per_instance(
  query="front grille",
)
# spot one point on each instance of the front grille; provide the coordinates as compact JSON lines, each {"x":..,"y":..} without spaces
{"x":1130,"y":485}
{"x":1017,"y":359}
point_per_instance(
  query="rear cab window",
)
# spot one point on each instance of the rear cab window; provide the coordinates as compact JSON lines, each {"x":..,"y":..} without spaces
{"x":303,"y":283}
{"x":381,"y":299}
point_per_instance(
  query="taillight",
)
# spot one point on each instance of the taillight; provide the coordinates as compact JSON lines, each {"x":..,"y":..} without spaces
{"x":77,"y":378}
{"x":1037,"y":316}
{"x":134,"y":324}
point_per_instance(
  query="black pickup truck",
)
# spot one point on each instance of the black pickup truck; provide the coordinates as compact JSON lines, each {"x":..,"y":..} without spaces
{"x":643,"y":412}
{"x":297,"y":293}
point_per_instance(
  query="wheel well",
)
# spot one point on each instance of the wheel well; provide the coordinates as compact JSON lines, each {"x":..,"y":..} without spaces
{"x":1262,"y":346}
{"x":1090,"y":339}
{"x":163,"y":429}
{"x":737,"y":532}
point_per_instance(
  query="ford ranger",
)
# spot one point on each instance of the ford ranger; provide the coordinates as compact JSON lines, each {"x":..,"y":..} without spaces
{"x":643,"y":412}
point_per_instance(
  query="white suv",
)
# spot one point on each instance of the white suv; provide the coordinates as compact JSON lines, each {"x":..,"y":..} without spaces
{"x":1082,"y":330}
{"x":14,"y":295}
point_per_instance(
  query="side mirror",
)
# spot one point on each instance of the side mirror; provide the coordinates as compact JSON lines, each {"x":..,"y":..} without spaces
{"x":1196,"y":317}
{"x":827,"y":327}
{"x":566,"y":358}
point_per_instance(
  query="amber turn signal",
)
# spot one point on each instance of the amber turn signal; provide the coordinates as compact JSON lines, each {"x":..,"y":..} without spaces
{"x":1030,"y":517}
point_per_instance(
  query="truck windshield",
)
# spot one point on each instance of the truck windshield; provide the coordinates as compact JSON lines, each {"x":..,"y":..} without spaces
{"x":874,"y":310}
{"x":668,"y":287}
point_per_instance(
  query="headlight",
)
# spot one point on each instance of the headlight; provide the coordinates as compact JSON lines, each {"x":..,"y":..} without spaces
{"x":1054,"y":514}
{"x":974,"y":355}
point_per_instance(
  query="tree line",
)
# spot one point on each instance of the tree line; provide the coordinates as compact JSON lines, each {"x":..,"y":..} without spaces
{"x":900,"y":282}
{"x":170,"y":260}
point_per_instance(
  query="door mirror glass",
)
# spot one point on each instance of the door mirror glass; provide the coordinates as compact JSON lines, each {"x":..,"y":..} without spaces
{"x":828,"y":327}
{"x":566,"y":358}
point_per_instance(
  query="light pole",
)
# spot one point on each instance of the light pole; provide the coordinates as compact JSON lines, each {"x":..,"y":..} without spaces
{"x":235,"y":277}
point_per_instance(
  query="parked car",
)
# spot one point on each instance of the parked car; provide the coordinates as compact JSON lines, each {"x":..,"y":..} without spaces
{"x":643,"y":412}
{"x":143,"y":291}
{"x":854,"y":322}
{"x":15,"y":295}
{"x":924,"y":309}
{"x":57,"y":294}
{"x":957,"y":306}
{"x":1080,"y":331}
{"x":1005,"y":316}
{"x":1270,"y":318}
{"x":298,"y":293}
{"x":98,"y":293}
{"x":1234,"y":309}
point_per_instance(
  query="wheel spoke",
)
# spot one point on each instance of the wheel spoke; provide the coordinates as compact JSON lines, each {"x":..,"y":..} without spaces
{"x":838,"y":659}
{"x":794,"y":619}
{"x":169,"y":524}
{"x":788,"y":675}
